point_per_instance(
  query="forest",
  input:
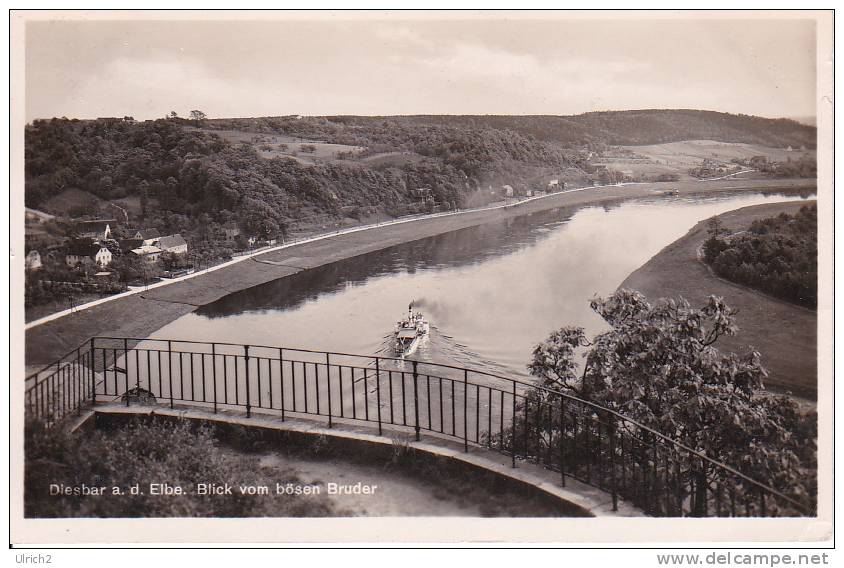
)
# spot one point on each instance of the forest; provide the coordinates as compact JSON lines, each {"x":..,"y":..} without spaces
{"x":777,"y":255}
{"x":198,"y":179}
{"x":590,"y":130}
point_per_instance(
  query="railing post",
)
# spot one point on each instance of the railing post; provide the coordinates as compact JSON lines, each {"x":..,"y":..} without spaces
{"x":377,"y":393}
{"x":513,"y":428}
{"x":76,"y":393}
{"x":93,"y":376}
{"x":465,"y":410}
{"x":614,"y":489}
{"x":170,"y":369}
{"x":416,"y":398}
{"x":214,"y":373}
{"x":562,"y":441}
{"x":328,"y":386}
{"x":281,"y":379}
{"x":246,"y":363}
{"x":126,"y":364}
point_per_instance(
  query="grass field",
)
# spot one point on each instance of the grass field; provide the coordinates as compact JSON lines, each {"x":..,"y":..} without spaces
{"x":679,"y":157}
{"x":388,"y":159}
{"x":277,"y":145}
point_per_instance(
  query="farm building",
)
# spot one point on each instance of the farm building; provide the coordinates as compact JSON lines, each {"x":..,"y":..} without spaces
{"x":173,"y":243}
{"x":33,"y":260}
{"x":126,"y":245}
{"x":99,"y":229}
{"x":148,"y":252}
{"x":148,"y":236}
{"x":230,"y":232}
{"x":85,"y":254}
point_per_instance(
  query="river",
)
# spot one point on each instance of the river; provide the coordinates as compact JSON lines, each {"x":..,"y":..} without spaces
{"x":490,"y":292}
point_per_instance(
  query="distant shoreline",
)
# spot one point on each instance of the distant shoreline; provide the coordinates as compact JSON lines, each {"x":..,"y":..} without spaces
{"x":143,"y":313}
{"x":785,"y":334}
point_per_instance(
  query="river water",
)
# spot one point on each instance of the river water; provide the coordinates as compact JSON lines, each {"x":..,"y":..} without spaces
{"x":491,"y":292}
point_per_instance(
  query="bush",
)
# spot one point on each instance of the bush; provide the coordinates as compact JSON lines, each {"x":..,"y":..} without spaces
{"x":151,"y":450}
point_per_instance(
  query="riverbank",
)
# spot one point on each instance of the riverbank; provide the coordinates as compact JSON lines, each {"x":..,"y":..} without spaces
{"x":140,"y":314}
{"x":784,"y":333}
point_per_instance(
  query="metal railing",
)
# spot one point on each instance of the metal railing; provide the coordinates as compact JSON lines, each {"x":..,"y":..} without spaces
{"x":574,"y":437}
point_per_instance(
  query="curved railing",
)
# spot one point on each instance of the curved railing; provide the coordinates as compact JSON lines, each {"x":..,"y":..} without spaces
{"x":575,"y":437}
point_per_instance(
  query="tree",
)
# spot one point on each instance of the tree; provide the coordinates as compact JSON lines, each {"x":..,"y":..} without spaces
{"x":143,"y":189}
{"x":715,"y":227}
{"x":658,"y":365}
{"x":197,"y":116}
{"x":172,"y":261}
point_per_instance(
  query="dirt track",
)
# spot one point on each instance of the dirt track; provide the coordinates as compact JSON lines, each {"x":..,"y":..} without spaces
{"x":142,"y":314}
{"x":785,"y":334}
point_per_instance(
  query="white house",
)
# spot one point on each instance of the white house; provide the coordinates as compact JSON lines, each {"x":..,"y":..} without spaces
{"x":508,"y":190}
{"x":99,"y":229}
{"x":148,"y":236}
{"x":231,"y":232}
{"x":33,"y":260}
{"x":173,"y":243}
{"x":148,"y":253}
{"x":87,"y":254}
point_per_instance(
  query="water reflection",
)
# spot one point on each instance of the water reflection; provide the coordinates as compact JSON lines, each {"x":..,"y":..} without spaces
{"x":490,"y":292}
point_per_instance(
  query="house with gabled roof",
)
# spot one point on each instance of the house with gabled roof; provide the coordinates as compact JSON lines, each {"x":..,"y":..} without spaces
{"x":148,"y":253}
{"x":175,"y":244}
{"x":33,"y":260}
{"x":126,"y":245}
{"x":97,"y":229}
{"x":148,"y":236}
{"x":87,"y":254}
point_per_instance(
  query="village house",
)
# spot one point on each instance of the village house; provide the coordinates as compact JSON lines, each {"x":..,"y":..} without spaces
{"x":87,"y":254}
{"x":425,"y":194}
{"x":148,"y":253}
{"x":147,"y":236}
{"x":173,"y":243}
{"x":126,"y":245}
{"x":508,"y":190}
{"x":230,"y":232}
{"x":99,"y":229}
{"x":33,"y":260}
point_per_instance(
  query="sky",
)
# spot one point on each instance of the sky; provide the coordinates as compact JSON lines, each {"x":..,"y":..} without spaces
{"x":147,"y":69}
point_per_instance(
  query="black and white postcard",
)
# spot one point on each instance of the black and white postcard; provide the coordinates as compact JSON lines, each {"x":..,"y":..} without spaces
{"x":488,"y":276}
